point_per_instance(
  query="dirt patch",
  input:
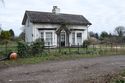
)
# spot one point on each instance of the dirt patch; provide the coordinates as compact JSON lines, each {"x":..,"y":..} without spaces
{"x":88,"y":70}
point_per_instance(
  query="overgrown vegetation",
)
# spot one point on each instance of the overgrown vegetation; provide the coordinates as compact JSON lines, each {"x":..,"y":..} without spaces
{"x":32,"y":49}
{"x":103,"y":44}
{"x":37,"y":47}
{"x":86,"y":43}
{"x":119,"y":78}
{"x":45,"y":57}
{"x":22,"y":49}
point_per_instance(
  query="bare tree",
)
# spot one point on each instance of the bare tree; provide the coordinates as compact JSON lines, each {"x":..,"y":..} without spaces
{"x":120,"y":31}
{"x":2,"y":1}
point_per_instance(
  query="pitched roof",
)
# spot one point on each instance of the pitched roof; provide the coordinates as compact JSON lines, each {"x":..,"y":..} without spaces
{"x":47,"y":17}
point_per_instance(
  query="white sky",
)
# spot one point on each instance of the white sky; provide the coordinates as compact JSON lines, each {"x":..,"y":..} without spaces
{"x":104,"y":15}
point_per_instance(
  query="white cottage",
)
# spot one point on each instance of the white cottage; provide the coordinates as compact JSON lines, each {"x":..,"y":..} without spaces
{"x":56,"y":29}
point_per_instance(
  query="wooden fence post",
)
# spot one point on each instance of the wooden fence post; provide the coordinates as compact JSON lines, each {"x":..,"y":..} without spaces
{"x":6,"y":47}
{"x":49,"y":47}
{"x":100,"y":49}
{"x":93,"y":49}
{"x":78,"y":47}
{"x":111,"y":47}
{"x":86,"y":48}
{"x":59,"y":48}
{"x":116,"y":49}
{"x":69,"y":47}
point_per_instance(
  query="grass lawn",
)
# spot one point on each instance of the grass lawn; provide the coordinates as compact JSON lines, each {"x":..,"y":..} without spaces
{"x":48,"y":57}
{"x":11,"y":46}
{"x":59,"y":54}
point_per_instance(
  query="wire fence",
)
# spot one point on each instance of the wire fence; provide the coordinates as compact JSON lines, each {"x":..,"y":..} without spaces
{"x":93,"y":49}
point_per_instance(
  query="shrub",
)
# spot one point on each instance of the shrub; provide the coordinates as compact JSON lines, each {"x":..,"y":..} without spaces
{"x":86,"y":43}
{"x":37,"y":47}
{"x":22,"y":49}
{"x":119,"y":81}
{"x":33,"y":49}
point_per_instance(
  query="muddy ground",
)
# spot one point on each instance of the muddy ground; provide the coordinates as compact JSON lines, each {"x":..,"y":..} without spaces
{"x":87,"y":70}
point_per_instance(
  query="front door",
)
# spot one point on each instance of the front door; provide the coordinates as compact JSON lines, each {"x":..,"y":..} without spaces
{"x":62,"y":38}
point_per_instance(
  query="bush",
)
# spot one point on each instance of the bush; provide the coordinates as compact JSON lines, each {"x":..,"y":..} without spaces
{"x":86,"y":43}
{"x":119,"y":81}
{"x":33,"y":49}
{"x":23,"y":49}
{"x":37,"y":47}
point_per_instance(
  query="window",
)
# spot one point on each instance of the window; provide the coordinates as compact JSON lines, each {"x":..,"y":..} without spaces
{"x":42,"y":36}
{"x":79,"y":35}
{"x":49,"y":39}
{"x":62,"y":36}
{"x":79,"y":38}
{"x":73,"y":38}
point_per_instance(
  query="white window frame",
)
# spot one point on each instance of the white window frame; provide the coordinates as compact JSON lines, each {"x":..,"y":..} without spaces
{"x":49,"y":39}
{"x":73,"y":38}
{"x":42,"y":36}
{"x":79,"y":39}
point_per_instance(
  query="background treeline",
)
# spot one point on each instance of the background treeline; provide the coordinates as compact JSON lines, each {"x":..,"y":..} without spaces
{"x":9,"y":35}
{"x":117,"y":37}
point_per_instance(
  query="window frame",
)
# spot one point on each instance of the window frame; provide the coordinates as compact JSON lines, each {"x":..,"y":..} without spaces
{"x":79,"y":38}
{"x":49,"y":39}
{"x":73,"y":38}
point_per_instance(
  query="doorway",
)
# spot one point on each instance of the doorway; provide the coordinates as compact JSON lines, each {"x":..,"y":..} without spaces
{"x":62,"y":39}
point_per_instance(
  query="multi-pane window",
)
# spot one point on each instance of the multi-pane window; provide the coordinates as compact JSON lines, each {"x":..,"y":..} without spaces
{"x":79,"y":35}
{"x":62,"y":36}
{"x":73,"y":38}
{"x":49,"y":39}
{"x":42,"y":36}
{"x":79,"y":38}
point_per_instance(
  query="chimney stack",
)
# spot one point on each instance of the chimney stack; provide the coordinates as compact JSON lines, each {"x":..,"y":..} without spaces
{"x":55,"y":10}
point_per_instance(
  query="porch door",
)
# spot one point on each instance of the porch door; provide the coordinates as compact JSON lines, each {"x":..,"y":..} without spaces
{"x":79,"y":38}
{"x":62,"y":38}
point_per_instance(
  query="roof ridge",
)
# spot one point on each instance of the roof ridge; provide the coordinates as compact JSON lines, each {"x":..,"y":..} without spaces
{"x":52,"y":13}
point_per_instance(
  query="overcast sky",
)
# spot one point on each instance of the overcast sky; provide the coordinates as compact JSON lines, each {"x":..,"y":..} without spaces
{"x":104,"y":15}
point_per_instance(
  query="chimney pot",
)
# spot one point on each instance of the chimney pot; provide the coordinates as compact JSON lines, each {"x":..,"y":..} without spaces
{"x":55,"y":10}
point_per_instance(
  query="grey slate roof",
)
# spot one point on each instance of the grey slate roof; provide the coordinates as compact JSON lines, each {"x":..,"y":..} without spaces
{"x":47,"y":17}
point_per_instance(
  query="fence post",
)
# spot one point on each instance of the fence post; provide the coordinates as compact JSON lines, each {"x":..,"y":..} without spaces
{"x":86,"y":48}
{"x":116,"y":49}
{"x":69,"y":47}
{"x":6,"y":47}
{"x":93,"y":48}
{"x":111,"y":47}
{"x":100,"y":49}
{"x":59,"y":48}
{"x":49,"y":47}
{"x":78,"y":47}
{"x":106,"y":47}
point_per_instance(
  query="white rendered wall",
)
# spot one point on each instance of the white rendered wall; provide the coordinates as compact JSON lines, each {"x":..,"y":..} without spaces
{"x":28,"y":28}
{"x":38,"y":32}
{"x":84,"y":33}
{"x":33,"y":29}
